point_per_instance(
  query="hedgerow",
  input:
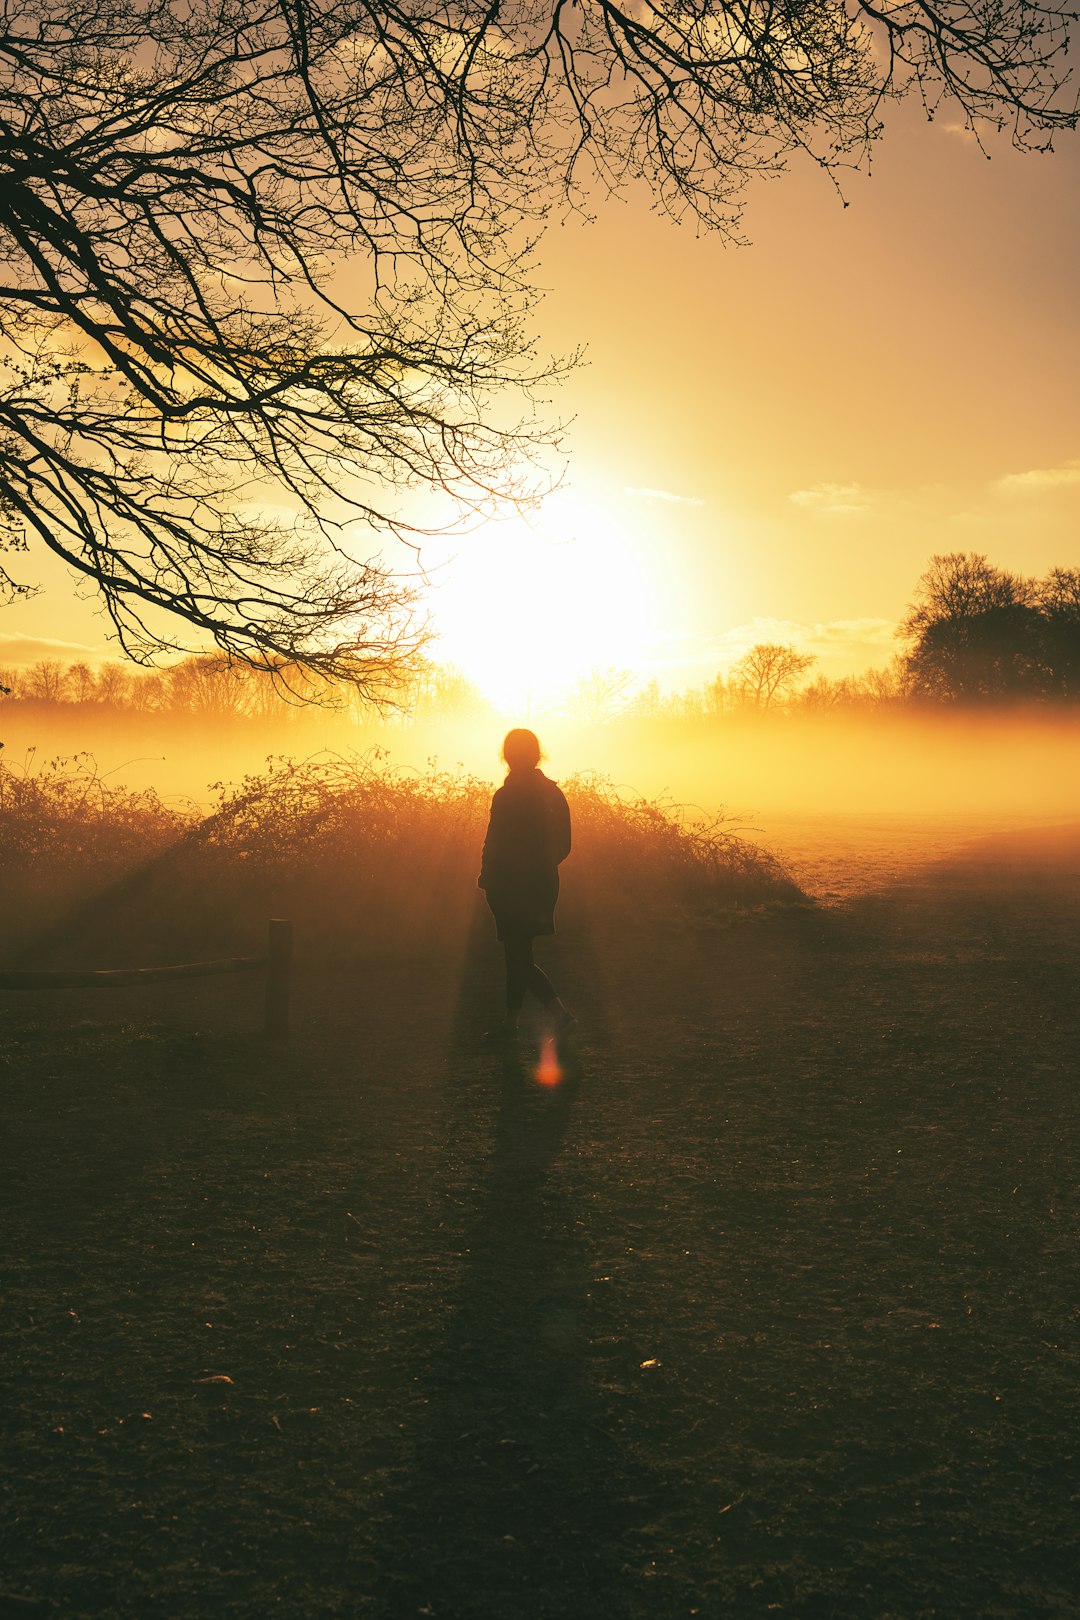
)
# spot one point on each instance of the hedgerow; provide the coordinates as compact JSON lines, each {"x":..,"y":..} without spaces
{"x":366,"y":857}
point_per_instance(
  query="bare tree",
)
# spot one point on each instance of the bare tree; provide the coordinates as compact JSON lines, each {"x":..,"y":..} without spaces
{"x":46,"y":681}
{"x":769,"y":672}
{"x":114,"y":684}
{"x":889,"y":685}
{"x":602,"y":695}
{"x":715,"y":697}
{"x":875,"y":688}
{"x":148,"y":692}
{"x":447,"y":693}
{"x":646,"y":702}
{"x":960,"y":584}
{"x":823,"y":695}
{"x":207,"y":686}
{"x":81,"y":684}
{"x":263,"y":266}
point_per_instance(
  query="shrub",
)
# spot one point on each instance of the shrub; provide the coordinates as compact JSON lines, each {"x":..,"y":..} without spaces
{"x":65,"y":818}
{"x":659,"y":856}
{"x":65,"y":835}
{"x":393,"y":855}
{"x":367,"y":859}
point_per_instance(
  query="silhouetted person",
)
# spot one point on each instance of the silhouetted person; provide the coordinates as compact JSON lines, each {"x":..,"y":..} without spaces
{"x":528,"y":836}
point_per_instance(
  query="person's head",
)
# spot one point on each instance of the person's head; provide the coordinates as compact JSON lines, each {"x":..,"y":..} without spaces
{"x":521,"y":750}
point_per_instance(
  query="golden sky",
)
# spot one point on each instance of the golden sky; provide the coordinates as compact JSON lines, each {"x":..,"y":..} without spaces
{"x":768,"y":442}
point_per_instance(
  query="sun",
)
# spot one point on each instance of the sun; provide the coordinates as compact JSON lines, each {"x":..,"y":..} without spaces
{"x":528,"y":607}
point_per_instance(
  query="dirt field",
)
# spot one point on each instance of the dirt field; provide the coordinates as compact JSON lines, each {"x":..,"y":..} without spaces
{"x":768,"y":1309}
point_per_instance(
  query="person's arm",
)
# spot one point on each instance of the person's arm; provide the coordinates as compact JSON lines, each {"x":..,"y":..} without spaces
{"x":560,"y":826}
{"x":489,"y":847}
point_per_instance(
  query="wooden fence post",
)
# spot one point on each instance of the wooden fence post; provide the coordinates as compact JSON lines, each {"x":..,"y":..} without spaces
{"x":278,"y":978}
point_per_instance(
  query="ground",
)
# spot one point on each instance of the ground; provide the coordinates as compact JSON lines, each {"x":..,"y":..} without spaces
{"x":767,"y":1309}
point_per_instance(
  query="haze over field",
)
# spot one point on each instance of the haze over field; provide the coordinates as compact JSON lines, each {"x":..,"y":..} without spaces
{"x":1024,"y":766}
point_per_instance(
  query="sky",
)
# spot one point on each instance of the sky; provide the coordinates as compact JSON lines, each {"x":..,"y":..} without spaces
{"x":785,"y":432}
{"x":768,"y":442}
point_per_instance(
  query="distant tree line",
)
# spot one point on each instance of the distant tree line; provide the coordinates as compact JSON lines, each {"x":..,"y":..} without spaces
{"x":766,"y":681}
{"x":207,"y":686}
{"x":974,"y":634}
{"x":211,"y":686}
{"x":216,"y":687}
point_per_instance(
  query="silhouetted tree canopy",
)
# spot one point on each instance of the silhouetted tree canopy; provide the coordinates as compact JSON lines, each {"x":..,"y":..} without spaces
{"x":980,"y":634}
{"x":1058,"y":598}
{"x":264,"y":266}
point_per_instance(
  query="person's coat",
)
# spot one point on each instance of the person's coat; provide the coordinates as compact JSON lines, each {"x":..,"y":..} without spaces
{"x":528,"y":837}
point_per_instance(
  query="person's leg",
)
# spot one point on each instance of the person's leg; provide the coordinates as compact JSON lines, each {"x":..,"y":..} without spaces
{"x":539,"y":983}
{"x":559,"y":1018}
{"x":519,"y":963}
{"x":523,"y":974}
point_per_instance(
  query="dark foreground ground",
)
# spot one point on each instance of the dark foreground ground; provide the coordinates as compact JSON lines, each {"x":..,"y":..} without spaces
{"x":768,"y":1309}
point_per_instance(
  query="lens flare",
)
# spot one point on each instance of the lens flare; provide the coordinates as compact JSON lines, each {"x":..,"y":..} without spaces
{"x":549,"y":1069}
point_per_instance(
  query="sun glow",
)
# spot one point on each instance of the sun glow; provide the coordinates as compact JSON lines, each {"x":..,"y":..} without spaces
{"x":527,"y":608}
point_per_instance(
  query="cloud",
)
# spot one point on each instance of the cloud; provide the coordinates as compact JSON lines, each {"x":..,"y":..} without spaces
{"x":864,"y":632}
{"x":662,"y":495}
{"x":832,"y":499}
{"x":741,"y":637}
{"x":962,"y":132}
{"x":28,"y":649}
{"x":1040,"y":478}
{"x":841,"y":646}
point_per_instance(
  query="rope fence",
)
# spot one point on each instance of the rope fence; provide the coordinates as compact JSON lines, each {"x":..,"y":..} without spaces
{"x":277,"y":962}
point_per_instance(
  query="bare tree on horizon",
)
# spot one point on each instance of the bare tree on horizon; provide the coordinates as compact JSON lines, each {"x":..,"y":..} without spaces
{"x":768,"y":672}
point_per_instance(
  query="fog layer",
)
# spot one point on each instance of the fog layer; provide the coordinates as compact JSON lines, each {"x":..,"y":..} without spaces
{"x":1023,"y":765}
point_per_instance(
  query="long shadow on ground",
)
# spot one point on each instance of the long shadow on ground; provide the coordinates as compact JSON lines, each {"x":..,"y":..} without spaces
{"x":509,"y":1507}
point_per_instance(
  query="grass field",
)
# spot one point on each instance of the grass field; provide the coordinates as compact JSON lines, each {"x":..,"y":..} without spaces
{"x":768,"y":1309}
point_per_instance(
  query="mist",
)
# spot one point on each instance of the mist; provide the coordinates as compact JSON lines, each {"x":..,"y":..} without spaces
{"x":978,"y":766}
